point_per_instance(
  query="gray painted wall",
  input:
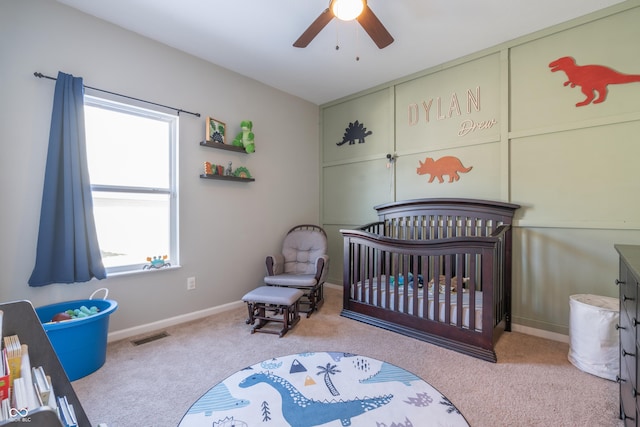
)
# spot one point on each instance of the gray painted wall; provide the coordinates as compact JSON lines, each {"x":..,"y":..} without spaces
{"x":226,"y":228}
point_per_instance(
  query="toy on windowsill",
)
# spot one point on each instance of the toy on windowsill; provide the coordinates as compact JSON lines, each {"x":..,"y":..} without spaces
{"x":156,"y":262}
{"x":246,"y":137}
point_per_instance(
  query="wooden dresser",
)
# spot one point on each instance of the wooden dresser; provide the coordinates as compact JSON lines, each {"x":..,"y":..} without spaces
{"x":628,"y":283}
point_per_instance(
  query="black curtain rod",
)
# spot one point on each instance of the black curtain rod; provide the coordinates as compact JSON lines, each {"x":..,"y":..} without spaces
{"x":178,"y":110}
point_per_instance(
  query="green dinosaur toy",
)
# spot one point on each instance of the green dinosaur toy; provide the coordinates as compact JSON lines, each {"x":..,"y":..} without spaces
{"x":245,"y":138}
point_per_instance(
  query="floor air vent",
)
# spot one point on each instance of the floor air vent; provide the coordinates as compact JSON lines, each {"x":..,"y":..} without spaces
{"x":150,"y":338}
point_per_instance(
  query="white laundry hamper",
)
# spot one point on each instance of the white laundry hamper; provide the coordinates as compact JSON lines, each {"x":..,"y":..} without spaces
{"x":594,"y":340}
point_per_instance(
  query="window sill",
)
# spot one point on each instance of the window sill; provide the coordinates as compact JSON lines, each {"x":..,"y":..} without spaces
{"x":123,"y":273}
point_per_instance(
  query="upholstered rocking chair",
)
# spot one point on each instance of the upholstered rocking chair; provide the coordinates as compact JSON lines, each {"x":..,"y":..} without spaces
{"x":303,"y":264}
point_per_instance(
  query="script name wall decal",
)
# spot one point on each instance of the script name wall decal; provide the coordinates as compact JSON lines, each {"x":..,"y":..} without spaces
{"x":436,"y":109}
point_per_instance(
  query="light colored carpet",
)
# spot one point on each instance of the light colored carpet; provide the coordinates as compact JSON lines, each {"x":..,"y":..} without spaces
{"x":533,"y":384}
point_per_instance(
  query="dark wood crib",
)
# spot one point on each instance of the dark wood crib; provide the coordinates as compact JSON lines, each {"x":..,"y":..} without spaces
{"x":438,"y":270}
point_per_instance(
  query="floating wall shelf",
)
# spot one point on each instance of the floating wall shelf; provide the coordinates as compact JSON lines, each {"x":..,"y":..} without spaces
{"x":227,"y":147}
{"x":220,"y":146}
{"x":226,"y":178}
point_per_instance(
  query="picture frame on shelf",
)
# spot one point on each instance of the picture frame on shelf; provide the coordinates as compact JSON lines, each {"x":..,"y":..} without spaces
{"x":215,"y":131}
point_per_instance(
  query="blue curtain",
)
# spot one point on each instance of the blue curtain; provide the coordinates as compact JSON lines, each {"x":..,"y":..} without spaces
{"x":68,"y":250}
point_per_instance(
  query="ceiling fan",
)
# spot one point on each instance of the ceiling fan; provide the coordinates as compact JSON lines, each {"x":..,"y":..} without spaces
{"x":355,"y":9}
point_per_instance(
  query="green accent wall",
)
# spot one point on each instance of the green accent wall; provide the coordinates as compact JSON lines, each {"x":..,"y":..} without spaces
{"x":504,"y":113}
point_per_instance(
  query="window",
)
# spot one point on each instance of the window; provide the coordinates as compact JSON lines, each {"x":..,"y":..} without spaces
{"x":132,"y":158}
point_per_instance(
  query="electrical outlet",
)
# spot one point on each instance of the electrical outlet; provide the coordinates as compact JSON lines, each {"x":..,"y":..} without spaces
{"x":191,"y":283}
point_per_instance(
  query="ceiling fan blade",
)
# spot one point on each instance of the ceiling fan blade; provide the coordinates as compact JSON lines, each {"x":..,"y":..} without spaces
{"x":316,"y":26}
{"x":374,"y":28}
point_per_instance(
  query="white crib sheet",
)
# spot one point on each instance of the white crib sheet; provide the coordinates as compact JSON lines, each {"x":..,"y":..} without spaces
{"x":361,"y":293}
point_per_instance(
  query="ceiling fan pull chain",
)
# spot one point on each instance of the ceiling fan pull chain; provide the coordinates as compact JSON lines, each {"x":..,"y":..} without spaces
{"x":357,"y":43}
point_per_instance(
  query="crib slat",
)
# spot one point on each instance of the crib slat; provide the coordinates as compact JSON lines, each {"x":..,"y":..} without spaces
{"x":405,"y":286}
{"x":387,"y":269}
{"x":460,"y":273}
{"x":471,"y":287}
{"x":369,"y":271}
{"x":358,"y":268}
{"x":413,"y":285}
{"x":436,"y":290}
{"x":447,"y":289}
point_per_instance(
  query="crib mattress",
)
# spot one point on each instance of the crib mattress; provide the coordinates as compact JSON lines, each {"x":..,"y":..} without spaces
{"x":362,"y":292}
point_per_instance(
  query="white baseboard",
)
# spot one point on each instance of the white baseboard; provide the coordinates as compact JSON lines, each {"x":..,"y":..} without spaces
{"x":172,"y":321}
{"x":554,"y":336}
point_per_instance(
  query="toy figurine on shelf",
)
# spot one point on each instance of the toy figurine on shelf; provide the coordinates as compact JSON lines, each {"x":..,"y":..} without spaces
{"x":229,"y":171}
{"x":208,"y":169}
{"x":242,"y":172}
{"x":245,"y":137}
{"x":156,"y":262}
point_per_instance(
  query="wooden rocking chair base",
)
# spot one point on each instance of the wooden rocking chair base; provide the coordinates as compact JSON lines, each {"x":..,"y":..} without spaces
{"x":283,"y":302}
{"x":311,"y":300}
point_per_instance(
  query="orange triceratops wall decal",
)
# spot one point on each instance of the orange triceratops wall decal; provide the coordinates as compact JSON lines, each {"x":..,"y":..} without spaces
{"x":447,"y":165}
{"x":590,"y":78}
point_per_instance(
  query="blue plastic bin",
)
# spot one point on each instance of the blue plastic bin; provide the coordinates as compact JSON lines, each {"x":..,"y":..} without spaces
{"x":81,"y":344}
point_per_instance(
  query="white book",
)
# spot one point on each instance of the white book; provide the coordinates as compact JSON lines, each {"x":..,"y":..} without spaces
{"x":66,"y":412}
{"x":25,"y":370}
{"x":13,"y":349}
{"x":52,"y":397}
{"x":20,"y":400}
{"x":72,"y":416}
{"x":42,"y":385}
{"x":5,"y":407}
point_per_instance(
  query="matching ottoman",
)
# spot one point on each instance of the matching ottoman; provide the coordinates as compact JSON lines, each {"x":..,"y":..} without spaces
{"x":283,"y":302}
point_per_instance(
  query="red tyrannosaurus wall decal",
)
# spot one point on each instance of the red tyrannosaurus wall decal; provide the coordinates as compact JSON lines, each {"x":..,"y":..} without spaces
{"x":591,"y":78}
{"x":447,"y":165}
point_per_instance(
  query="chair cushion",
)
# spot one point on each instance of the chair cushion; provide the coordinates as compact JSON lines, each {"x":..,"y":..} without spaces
{"x":273,"y":295}
{"x":293,"y":280}
{"x":300,"y":249}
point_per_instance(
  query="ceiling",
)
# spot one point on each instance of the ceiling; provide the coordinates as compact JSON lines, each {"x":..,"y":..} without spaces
{"x":255,"y":37}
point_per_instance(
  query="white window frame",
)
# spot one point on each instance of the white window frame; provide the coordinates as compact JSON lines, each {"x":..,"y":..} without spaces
{"x":172,"y":190}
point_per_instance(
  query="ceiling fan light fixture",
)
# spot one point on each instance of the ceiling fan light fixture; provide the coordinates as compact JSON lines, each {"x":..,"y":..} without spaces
{"x":347,"y":10}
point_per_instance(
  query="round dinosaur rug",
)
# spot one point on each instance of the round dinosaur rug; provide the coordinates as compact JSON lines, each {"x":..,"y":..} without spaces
{"x":323,"y":389}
